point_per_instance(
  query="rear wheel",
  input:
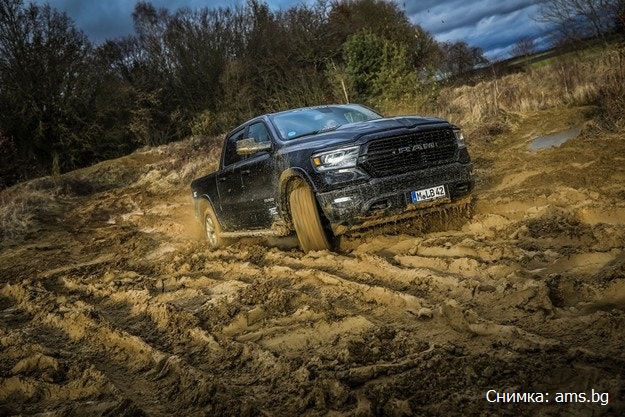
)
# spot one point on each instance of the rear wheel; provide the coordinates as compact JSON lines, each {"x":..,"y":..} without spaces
{"x":306,"y":219}
{"x":212,"y":228}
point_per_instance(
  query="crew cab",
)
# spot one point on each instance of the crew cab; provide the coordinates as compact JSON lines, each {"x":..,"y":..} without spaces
{"x":327,"y":170}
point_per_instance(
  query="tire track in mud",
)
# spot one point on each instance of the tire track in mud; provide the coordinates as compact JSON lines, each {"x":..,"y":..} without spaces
{"x":156,"y":382}
{"x":140,"y":319}
{"x":109,"y":316}
{"x":389,"y":284}
{"x":134,"y":319}
{"x":365,"y":368}
{"x":334,"y":325}
{"x":41,"y":373}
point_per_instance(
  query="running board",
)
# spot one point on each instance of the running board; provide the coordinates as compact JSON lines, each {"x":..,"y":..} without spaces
{"x":244,"y":233}
{"x":276,"y":231}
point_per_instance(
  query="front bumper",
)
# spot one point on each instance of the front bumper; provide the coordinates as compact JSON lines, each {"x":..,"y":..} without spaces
{"x":382,"y":199}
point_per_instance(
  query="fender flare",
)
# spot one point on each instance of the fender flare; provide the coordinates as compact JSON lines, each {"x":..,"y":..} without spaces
{"x":200,"y":204}
{"x":288,"y":179}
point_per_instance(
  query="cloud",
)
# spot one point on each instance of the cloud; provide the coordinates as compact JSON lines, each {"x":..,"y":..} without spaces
{"x":493,"y":25}
{"x":458,"y":13}
{"x":99,"y":19}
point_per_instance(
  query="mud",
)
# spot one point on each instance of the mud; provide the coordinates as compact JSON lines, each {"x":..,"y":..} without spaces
{"x":114,"y":306}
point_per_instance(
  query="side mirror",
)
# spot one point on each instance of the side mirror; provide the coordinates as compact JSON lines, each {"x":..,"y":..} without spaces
{"x":250,"y":146}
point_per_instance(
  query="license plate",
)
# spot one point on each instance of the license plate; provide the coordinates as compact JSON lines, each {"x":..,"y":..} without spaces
{"x":428,"y":194}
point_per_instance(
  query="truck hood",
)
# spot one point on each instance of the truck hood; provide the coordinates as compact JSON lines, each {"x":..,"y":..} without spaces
{"x":389,"y":123}
{"x":351,"y":132}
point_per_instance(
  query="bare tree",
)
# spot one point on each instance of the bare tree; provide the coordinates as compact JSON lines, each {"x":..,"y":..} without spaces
{"x":579,"y":19}
{"x":524,"y":47}
{"x":620,"y":16}
{"x":459,"y":58}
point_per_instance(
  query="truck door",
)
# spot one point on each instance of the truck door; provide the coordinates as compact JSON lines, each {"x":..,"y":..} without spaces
{"x":229,"y":186}
{"x":259,"y":179}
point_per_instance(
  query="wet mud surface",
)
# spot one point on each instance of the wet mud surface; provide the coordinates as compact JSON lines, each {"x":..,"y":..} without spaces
{"x":115,"y":306}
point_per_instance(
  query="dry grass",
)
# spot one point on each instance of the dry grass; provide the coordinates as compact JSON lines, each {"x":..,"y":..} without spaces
{"x":15,"y":218}
{"x":26,"y":206}
{"x":195,"y":156}
{"x":180,"y":163}
{"x":22,"y":205}
{"x":165,"y":169}
{"x":596,"y":78}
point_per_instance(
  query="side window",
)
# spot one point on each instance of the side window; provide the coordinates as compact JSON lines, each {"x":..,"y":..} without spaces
{"x":259,"y":132}
{"x":231,"y":155}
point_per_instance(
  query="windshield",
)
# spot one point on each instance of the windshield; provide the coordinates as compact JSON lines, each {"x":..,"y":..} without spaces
{"x":294,"y":124}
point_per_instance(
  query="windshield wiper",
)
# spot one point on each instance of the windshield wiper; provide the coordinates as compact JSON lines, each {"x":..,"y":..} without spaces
{"x":325,"y":129}
{"x":314,"y":132}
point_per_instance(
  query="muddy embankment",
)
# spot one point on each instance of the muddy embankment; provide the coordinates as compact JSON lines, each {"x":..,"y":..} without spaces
{"x":114,"y":306}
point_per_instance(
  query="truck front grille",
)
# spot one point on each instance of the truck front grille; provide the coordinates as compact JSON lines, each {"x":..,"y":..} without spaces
{"x":398,"y":154}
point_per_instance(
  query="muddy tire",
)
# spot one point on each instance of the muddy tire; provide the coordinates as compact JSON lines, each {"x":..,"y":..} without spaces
{"x":307,"y":222}
{"x":212,"y":228}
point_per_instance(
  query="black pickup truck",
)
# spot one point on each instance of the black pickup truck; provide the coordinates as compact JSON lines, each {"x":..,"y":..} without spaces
{"x":327,"y":170}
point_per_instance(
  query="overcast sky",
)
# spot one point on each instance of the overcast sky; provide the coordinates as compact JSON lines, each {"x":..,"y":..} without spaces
{"x":493,"y":25}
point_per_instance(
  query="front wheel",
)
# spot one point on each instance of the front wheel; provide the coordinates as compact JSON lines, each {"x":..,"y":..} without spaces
{"x":307,"y":221}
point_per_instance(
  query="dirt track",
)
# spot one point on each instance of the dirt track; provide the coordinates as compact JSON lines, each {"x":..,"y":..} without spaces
{"x":115,"y":307}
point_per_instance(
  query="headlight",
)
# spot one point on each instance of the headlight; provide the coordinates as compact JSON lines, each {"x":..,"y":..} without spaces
{"x":459,"y":138}
{"x":337,"y":159}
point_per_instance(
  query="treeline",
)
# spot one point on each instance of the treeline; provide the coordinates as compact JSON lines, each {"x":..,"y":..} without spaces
{"x":66,"y":103}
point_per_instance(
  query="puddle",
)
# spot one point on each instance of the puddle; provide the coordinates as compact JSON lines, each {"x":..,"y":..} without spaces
{"x":554,"y":140}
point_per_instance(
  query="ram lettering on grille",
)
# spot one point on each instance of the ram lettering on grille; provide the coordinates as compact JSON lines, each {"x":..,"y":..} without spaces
{"x":393,"y":155}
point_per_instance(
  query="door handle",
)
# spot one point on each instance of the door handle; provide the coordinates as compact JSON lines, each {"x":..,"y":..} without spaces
{"x":222,"y":179}
{"x":245,"y":172}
